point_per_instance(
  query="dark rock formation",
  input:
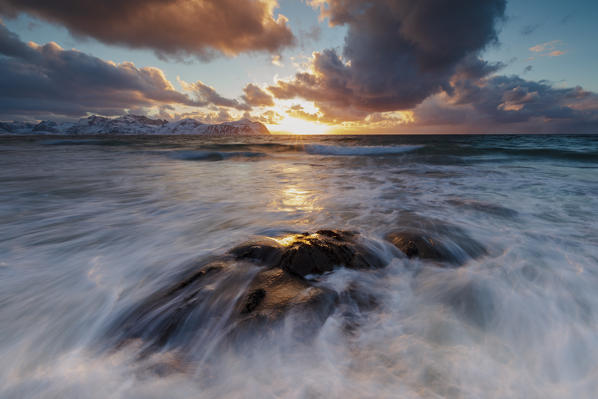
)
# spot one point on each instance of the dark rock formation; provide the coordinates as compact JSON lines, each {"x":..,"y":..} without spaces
{"x":317,"y":253}
{"x":256,"y":285}
{"x":275,"y":295}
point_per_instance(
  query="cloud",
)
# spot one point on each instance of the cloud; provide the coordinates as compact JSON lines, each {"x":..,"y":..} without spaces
{"x":216,"y":115}
{"x":416,"y":65}
{"x":297,"y":111}
{"x":256,"y":96}
{"x":277,"y":60}
{"x":540,"y":48}
{"x":47,"y":80}
{"x":396,"y":53}
{"x":511,"y":104}
{"x":548,"y":49}
{"x":269,"y":117}
{"x":207,"y":95}
{"x":202,"y":28}
{"x":556,"y":53}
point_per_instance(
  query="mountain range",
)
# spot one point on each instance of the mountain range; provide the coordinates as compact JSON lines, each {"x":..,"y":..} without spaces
{"x":135,"y":124}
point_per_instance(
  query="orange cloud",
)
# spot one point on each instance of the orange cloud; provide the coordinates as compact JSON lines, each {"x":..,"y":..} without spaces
{"x":556,"y":53}
{"x":173,"y":27}
{"x":548,"y":49}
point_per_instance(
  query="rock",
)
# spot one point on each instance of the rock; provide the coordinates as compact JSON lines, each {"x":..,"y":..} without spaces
{"x":158,"y":318}
{"x":415,"y":245}
{"x":275,"y":295}
{"x":456,"y":248}
{"x":316,"y":253}
{"x":255,"y":286}
{"x":254,"y":299}
{"x":266,"y":251}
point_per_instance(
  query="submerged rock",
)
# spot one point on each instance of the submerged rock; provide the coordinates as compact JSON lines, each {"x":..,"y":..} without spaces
{"x":415,"y":245}
{"x":474,"y":302}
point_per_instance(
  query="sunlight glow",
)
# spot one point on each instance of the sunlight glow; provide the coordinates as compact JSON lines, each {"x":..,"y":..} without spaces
{"x":291,"y":125}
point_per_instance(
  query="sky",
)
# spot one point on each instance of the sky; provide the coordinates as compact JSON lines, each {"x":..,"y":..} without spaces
{"x":307,"y":66}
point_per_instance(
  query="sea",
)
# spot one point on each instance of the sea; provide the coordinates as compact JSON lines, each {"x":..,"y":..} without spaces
{"x":91,"y":226}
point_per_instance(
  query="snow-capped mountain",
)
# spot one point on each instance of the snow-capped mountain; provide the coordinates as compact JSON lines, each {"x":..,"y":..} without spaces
{"x":136,"y":124}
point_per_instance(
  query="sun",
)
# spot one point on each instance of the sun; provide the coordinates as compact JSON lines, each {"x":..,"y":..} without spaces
{"x":292,"y":125}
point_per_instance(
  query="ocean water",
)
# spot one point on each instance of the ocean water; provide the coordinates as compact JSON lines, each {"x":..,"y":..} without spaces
{"x":90,"y":227}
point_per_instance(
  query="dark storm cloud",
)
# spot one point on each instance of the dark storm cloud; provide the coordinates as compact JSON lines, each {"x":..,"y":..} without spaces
{"x":508,"y":99}
{"x":424,"y":56}
{"x":512,"y":104}
{"x":44,"y":80}
{"x":396,"y":53}
{"x":256,"y":96}
{"x":174,"y":27}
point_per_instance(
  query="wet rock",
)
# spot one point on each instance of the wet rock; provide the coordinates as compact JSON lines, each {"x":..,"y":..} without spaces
{"x":253,"y":300}
{"x":456,"y":248}
{"x":266,"y":252}
{"x":317,"y":253}
{"x":274,"y":295}
{"x":157,"y":320}
{"x":418,"y":246}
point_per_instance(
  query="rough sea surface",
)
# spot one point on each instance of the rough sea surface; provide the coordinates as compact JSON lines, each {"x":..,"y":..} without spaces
{"x":90,"y":227}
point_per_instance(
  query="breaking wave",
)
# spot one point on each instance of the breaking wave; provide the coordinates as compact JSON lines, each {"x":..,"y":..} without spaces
{"x":320,"y":149}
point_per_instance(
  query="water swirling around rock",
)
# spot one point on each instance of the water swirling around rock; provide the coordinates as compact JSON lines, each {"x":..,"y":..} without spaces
{"x":455,"y":270}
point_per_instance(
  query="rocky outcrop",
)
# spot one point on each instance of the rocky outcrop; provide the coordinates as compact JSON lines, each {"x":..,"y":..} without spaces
{"x":317,"y":253}
{"x":271,"y":283}
{"x":256,"y":285}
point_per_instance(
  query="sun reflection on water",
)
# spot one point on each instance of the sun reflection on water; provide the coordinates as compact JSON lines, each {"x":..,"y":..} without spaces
{"x":296,"y":199}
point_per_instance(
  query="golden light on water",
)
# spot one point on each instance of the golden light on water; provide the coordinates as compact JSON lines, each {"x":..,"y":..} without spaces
{"x":295,"y":198}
